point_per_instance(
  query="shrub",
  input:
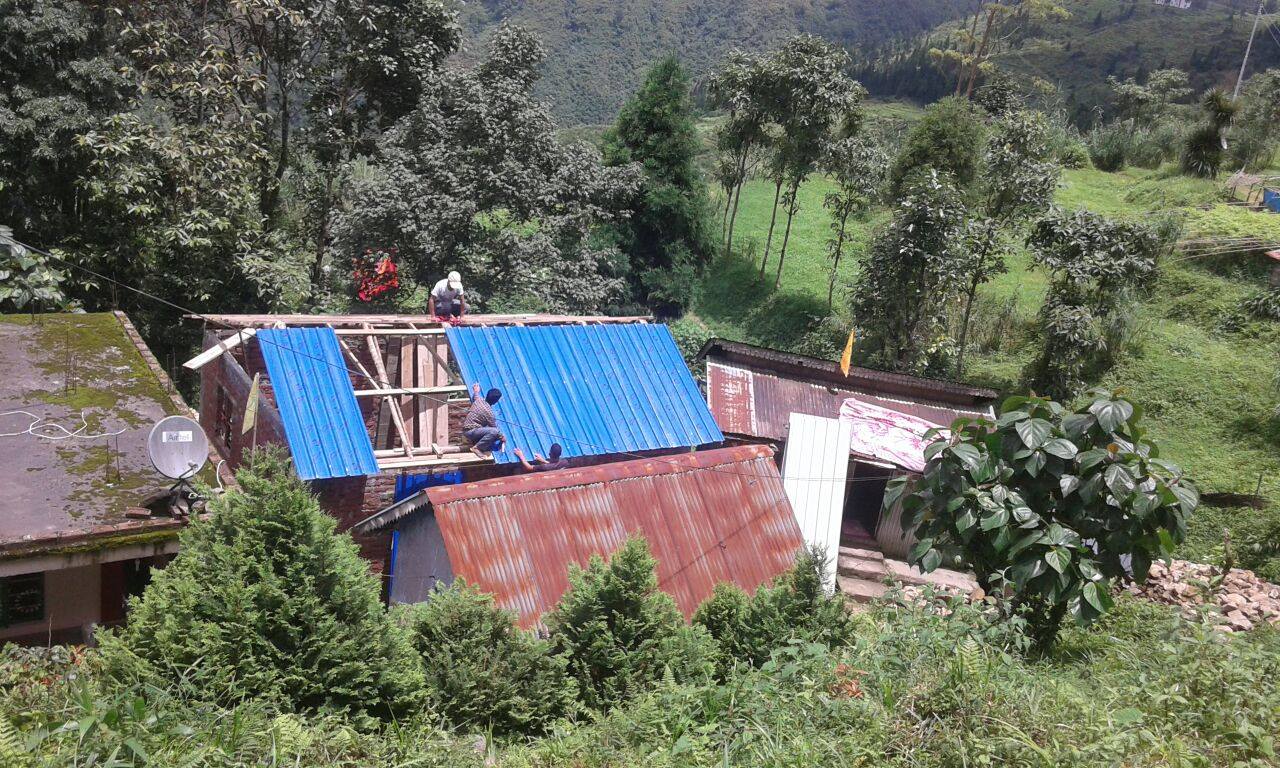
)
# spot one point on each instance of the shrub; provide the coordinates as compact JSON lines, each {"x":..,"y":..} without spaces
{"x":948,"y":139}
{"x":795,"y":607}
{"x":265,"y":600}
{"x":621,"y":634}
{"x":1202,"y":152}
{"x":481,"y":670}
{"x":1148,"y":149}
{"x":1109,"y":147}
{"x":1049,"y":505}
{"x":1264,"y":305}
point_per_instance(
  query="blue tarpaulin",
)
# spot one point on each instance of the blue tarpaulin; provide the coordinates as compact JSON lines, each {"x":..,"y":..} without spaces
{"x":1271,"y":199}
{"x":595,"y":389}
{"x":312,"y":387}
{"x":407,"y":485}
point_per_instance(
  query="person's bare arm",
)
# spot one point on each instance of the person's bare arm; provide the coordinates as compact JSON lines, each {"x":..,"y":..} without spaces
{"x":462,"y":304}
{"x":519,"y":454}
{"x":431,"y":305}
{"x":475,"y":391}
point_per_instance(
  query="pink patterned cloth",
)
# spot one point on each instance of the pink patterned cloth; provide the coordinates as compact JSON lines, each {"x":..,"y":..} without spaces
{"x":886,"y":435}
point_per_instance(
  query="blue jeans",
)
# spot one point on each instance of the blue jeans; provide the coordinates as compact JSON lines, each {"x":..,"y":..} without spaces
{"x":483,"y":438}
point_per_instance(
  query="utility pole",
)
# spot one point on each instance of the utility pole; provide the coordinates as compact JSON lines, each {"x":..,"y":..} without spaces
{"x":1244,"y":63}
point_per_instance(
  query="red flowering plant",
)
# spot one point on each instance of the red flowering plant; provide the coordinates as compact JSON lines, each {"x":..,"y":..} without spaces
{"x":375,"y":273}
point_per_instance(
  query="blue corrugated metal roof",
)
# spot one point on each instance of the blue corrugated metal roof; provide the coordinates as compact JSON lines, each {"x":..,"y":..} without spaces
{"x":595,"y":389}
{"x":313,"y":391}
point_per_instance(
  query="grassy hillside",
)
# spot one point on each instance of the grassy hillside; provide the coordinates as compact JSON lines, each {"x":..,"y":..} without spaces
{"x":598,"y":51}
{"x":1204,"y":370}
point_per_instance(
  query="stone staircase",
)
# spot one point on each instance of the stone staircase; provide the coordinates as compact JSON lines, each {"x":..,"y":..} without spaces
{"x":864,"y":574}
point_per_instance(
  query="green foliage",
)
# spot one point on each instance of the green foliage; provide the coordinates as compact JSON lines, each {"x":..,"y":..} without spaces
{"x":481,"y":670}
{"x":27,"y":281}
{"x":947,"y":139}
{"x":1202,"y":153}
{"x":1146,"y":103}
{"x":1253,"y":140}
{"x":1109,"y":146}
{"x":667,"y":238}
{"x":1264,"y":304}
{"x":1096,"y":265}
{"x":795,"y":608}
{"x":266,"y":600}
{"x":914,"y":265}
{"x":621,"y":634}
{"x":1050,"y":505}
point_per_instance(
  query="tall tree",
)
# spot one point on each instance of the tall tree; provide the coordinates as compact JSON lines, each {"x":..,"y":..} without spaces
{"x":738,"y":87}
{"x":667,"y":237}
{"x":859,"y":169}
{"x":913,"y":269}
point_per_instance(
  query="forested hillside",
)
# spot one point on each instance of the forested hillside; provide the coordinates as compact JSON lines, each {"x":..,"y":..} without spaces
{"x":1076,"y":55}
{"x":598,"y":51}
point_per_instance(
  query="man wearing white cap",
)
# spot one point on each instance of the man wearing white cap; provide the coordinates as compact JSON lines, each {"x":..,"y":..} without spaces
{"x":448,"y":300}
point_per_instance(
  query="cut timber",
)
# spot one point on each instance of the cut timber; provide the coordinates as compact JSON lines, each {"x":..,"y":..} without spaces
{"x":390,"y":404}
{"x":382,"y":380}
{"x":410,"y":391}
{"x":401,"y":321}
{"x":453,"y":460}
{"x":226,"y":345}
{"x":389,"y":331}
{"x":437,"y":450}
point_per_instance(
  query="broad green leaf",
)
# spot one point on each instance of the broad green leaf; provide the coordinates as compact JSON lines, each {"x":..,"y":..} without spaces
{"x":1035,"y":463}
{"x":1118,"y":480}
{"x":1188,"y":497}
{"x":1063,"y":449}
{"x":1111,"y":414}
{"x":931,"y":560}
{"x":965,"y":521}
{"x":1091,"y":457}
{"x":995,"y":520}
{"x":1068,"y":483}
{"x":967,"y":454}
{"x":1034,"y":432}
{"x":1058,"y":559}
{"x":1076,"y":424}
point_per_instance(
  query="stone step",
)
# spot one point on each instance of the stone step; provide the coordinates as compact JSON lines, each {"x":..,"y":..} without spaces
{"x":862,"y":568}
{"x":865,"y":554}
{"x":860,"y":590}
{"x":899,"y":572}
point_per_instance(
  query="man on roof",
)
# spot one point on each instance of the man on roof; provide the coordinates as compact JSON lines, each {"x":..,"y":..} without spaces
{"x":539,"y":464}
{"x":480,"y":425}
{"x":448,"y":301}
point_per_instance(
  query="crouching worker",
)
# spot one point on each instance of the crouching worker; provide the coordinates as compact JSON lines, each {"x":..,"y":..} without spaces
{"x":539,"y":464}
{"x":448,"y":301}
{"x":480,"y":425}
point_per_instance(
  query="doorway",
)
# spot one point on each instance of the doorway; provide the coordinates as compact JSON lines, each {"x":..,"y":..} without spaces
{"x":862,"y":504}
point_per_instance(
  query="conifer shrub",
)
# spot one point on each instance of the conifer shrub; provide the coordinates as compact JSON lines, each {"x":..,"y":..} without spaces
{"x":1109,"y":147}
{"x":620,"y":634}
{"x":482,"y":671}
{"x":265,"y":600}
{"x":795,"y":607}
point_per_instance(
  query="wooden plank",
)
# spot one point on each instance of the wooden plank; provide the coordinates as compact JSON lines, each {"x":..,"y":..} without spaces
{"x":341,"y":323}
{"x":389,"y":331}
{"x":383,"y":382}
{"x":217,"y":350}
{"x":410,"y":391}
{"x":436,"y":353}
{"x":385,"y":427}
{"x":408,"y":378}
{"x":446,"y":461}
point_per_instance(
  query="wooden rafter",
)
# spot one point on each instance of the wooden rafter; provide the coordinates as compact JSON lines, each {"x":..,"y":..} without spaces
{"x":379,"y":382}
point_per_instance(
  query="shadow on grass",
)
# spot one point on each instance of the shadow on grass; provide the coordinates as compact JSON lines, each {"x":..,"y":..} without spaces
{"x":733,"y":293}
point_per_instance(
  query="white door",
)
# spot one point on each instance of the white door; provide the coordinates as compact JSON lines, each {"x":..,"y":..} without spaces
{"x":815,"y":465}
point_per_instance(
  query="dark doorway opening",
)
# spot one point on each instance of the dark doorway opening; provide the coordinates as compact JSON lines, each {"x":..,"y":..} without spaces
{"x":862,"y":504}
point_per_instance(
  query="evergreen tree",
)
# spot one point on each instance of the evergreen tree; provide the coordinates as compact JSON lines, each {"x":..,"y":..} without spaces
{"x":482,"y":671}
{"x":621,"y":634}
{"x":668,"y":236}
{"x":265,"y":600}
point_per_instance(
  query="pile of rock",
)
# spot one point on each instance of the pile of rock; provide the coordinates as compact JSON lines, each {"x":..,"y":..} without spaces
{"x":1239,"y":601}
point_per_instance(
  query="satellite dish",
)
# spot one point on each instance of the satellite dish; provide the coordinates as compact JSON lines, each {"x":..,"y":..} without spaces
{"x":178,"y":447}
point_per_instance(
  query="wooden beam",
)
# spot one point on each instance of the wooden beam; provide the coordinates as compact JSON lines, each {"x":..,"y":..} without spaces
{"x":410,"y":391}
{"x":408,"y":444}
{"x":382,"y":380}
{"x":453,"y":460}
{"x":389,"y":331}
{"x":217,"y":350}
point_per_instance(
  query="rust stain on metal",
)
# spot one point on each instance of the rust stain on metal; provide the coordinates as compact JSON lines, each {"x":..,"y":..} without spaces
{"x":713,"y":516}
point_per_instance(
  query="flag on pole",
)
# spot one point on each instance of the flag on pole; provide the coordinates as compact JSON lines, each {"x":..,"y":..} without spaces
{"x":251,"y":406}
{"x":846,"y":358}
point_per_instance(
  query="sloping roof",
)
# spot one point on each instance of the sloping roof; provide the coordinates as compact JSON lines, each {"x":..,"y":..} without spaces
{"x":317,"y":404}
{"x":64,"y":492}
{"x":753,"y":391}
{"x":711,"y":516}
{"x":595,"y":389}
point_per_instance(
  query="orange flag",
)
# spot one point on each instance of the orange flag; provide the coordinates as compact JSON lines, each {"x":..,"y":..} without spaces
{"x":847,"y":356}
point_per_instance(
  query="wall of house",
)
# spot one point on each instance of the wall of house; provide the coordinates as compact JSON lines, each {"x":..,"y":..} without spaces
{"x":421,"y":559}
{"x":72,"y":602}
{"x":224,"y":392}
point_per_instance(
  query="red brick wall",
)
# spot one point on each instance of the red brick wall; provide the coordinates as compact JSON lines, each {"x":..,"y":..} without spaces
{"x":352,"y":499}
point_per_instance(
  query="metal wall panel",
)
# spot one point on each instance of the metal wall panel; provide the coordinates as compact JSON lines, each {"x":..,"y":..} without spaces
{"x":317,"y":404}
{"x":815,"y":466}
{"x":714,"y":516}
{"x":595,"y":389}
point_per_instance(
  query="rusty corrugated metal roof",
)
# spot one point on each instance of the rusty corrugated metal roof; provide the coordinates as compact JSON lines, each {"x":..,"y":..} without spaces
{"x":755,"y":401}
{"x":712,"y":516}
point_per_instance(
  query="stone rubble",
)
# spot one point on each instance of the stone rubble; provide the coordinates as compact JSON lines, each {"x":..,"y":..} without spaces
{"x":1238,"y":602}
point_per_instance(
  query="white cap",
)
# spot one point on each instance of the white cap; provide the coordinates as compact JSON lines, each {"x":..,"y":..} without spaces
{"x":455,"y":281}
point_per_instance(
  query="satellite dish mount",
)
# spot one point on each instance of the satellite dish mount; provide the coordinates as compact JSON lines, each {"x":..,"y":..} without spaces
{"x":179,"y":449}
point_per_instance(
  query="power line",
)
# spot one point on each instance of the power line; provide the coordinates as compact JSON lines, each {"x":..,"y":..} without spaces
{"x":436,"y":400}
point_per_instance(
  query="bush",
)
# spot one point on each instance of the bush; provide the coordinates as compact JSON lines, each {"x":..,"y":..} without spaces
{"x":1264,"y":305}
{"x":1109,"y":147}
{"x":948,"y":139}
{"x":265,"y":600}
{"x":1149,"y":148}
{"x":621,"y":634}
{"x":795,"y":607}
{"x":481,"y":670}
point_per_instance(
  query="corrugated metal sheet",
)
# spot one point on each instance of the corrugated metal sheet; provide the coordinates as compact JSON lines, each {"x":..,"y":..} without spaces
{"x":712,"y":516}
{"x":322,"y":422}
{"x":814,"y":469}
{"x":759,"y":403}
{"x":595,"y":389}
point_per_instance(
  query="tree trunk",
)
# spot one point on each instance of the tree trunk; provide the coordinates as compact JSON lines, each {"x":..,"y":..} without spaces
{"x":777,"y":192}
{"x":982,"y":52}
{"x":964,"y":327}
{"x":737,"y":198}
{"x":835,"y":265}
{"x":791,"y":212}
{"x":973,"y":41}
